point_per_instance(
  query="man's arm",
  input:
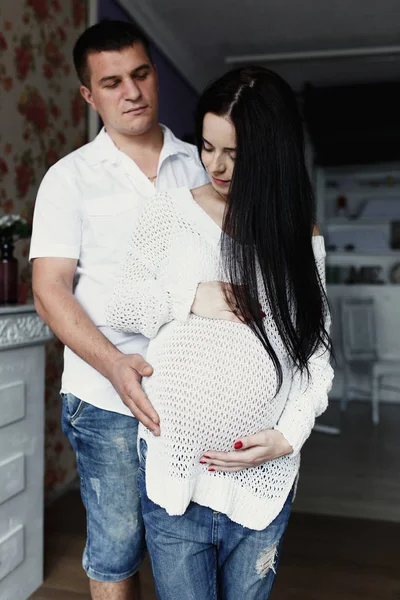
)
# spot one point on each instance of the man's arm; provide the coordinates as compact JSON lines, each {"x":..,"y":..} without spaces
{"x":55,"y":303}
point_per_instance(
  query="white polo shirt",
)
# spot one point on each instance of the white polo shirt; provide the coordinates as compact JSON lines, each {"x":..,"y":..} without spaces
{"x":86,"y":209}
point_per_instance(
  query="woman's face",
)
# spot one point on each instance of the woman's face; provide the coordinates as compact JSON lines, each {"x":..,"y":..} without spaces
{"x":219,"y":151}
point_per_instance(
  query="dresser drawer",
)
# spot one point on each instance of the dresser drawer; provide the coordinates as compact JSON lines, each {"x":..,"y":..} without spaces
{"x":12,"y":402}
{"x":11,"y":551}
{"x":12,"y":476}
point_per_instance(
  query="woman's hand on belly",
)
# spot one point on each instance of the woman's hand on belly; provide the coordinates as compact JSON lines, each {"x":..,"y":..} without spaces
{"x":249,"y":452}
{"x":210,"y":302}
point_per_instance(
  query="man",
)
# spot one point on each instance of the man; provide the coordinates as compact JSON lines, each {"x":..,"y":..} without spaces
{"x":85,"y":210}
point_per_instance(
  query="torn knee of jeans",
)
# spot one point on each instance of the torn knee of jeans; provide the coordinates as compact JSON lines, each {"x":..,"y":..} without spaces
{"x":266,"y":560}
{"x":96,"y":487}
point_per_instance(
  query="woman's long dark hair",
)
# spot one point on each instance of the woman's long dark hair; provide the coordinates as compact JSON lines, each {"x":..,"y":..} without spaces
{"x":270,"y":212}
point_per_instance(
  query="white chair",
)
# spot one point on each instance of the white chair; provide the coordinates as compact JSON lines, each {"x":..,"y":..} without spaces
{"x":360,"y":351}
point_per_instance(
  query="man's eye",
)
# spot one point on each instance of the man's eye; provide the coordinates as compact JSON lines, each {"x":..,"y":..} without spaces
{"x":141,"y":77}
{"x":112,"y":85}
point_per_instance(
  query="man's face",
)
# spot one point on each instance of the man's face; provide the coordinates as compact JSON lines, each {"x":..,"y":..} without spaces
{"x":124,"y":90}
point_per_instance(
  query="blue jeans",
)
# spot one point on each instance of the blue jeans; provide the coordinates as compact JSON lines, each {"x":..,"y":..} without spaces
{"x":105,"y":444}
{"x":203,"y":555}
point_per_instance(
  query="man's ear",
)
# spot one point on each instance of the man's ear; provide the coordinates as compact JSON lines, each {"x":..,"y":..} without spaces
{"x":87,"y":96}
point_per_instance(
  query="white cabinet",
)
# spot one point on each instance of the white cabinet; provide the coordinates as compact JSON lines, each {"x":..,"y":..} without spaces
{"x":359,"y":212}
{"x":22,"y":371}
{"x":357,"y":209}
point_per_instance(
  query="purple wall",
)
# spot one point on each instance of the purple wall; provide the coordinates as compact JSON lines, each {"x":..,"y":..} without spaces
{"x":177,"y":97}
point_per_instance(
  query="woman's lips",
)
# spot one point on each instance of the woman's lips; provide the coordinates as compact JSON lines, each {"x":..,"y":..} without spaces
{"x":220,"y":181}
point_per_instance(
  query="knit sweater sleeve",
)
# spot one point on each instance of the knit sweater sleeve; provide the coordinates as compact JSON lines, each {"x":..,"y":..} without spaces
{"x":308,"y":397}
{"x":145,"y":297}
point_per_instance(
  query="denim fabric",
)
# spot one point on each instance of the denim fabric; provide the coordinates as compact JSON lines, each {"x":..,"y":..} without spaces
{"x":105,"y":444}
{"x":203,"y":555}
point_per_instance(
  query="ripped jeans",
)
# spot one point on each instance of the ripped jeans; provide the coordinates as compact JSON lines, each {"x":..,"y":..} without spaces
{"x":105,"y":444}
{"x":203,"y":555}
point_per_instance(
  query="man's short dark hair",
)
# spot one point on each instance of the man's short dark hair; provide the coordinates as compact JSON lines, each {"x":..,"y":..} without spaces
{"x":105,"y":36}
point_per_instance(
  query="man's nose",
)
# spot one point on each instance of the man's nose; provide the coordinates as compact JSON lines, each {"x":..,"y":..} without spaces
{"x":131,"y":90}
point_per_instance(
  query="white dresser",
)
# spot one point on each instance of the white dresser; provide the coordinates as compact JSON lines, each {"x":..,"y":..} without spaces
{"x":22,"y":371}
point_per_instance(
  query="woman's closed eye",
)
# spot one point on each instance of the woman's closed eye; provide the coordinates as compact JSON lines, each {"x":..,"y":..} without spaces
{"x":229,"y":152}
{"x":207,"y":148}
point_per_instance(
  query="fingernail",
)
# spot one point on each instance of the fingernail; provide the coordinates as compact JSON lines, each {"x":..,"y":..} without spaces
{"x":211,"y":469}
{"x":203,"y":462}
{"x":263,"y":315}
{"x":237,"y":445}
{"x":205,"y":456}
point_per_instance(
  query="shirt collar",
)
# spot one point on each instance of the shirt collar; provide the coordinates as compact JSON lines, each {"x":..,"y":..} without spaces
{"x":172,"y":145}
{"x":103,"y":148}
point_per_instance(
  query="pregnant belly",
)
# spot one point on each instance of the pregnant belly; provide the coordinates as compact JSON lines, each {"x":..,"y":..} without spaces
{"x":213,"y":382}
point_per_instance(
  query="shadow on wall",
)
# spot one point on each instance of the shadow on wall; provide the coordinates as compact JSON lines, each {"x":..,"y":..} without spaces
{"x":42,"y":118}
{"x":177,"y":98}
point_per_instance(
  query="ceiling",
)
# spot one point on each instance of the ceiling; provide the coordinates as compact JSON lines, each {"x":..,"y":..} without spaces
{"x":199,"y":37}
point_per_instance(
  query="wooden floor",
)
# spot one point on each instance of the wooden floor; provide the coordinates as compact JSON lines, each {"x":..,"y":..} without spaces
{"x":324,"y":558}
{"x":355,"y":474}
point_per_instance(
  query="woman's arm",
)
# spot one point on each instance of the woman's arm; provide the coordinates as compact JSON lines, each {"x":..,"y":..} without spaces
{"x":143,"y":299}
{"x":308,"y":398}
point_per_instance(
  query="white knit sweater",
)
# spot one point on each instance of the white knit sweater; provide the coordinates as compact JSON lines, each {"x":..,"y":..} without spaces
{"x":213,"y":382}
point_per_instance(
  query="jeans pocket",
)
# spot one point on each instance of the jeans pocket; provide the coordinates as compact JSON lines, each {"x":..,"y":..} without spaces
{"x":142,"y":453}
{"x":74,"y":406}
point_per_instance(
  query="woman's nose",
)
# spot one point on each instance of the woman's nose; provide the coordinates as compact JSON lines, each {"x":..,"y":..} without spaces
{"x":218,"y":165}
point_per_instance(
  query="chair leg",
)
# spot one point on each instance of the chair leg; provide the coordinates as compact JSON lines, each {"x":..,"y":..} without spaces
{"x":375,"y":399}
{"x":345,"y":391}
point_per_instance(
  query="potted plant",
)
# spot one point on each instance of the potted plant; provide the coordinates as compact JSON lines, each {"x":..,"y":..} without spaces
{"x":12,"y":228}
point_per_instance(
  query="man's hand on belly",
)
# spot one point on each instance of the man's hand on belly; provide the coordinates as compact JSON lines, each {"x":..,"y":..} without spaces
{"x":249,"y":452}
{"x":126,"y":374}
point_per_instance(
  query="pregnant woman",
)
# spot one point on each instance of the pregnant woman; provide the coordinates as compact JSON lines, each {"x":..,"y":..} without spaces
{"x":227,"y":281}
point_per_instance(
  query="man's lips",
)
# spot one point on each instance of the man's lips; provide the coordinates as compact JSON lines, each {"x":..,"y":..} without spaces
{"x":135,"y":110}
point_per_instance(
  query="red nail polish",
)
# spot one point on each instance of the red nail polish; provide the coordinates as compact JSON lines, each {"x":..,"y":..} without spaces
{"x":211,"y":469}
{"x":263,"y":315}
{"x":205,"y":456}
{"x":237,"y":445}
{"x":203,"y":462}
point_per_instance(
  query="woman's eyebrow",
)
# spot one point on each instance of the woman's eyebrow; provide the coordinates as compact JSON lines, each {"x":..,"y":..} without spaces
{"x":210,"y":144}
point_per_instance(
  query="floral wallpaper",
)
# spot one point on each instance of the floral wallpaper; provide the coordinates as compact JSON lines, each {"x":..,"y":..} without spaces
{"x":42,"y":118}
